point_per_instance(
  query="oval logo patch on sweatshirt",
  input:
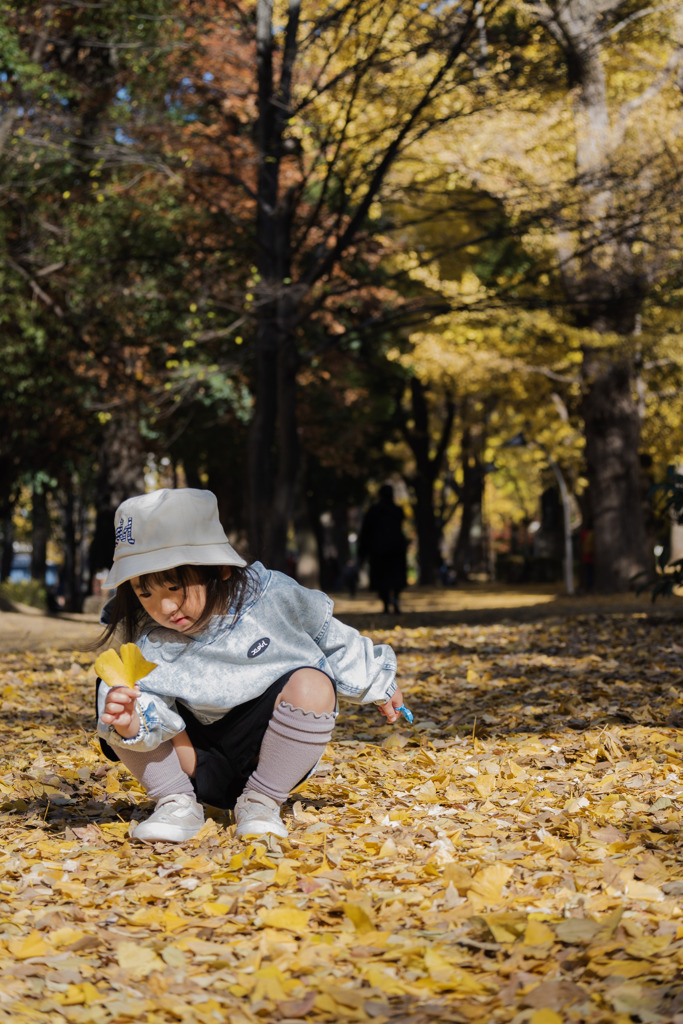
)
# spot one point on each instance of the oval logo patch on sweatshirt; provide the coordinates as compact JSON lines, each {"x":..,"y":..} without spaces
{"x":259,"y":647}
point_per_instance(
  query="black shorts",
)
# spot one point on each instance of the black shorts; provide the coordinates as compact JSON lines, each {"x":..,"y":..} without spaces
{"x":227,"y":750}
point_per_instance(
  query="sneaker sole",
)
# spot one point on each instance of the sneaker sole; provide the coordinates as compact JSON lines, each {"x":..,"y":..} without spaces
{"x":256,"y":828}
{"x":168,"y":835}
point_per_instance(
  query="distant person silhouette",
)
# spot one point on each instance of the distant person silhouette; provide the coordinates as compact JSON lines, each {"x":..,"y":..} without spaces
{"x":382,"y":544}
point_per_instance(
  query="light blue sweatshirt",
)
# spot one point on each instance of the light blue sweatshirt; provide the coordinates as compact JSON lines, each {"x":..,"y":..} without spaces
{"x":281,"y":627}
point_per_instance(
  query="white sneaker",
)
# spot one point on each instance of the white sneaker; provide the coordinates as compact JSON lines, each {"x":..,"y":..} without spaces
{"x":175,"y":818}
{"x":257,"y":815}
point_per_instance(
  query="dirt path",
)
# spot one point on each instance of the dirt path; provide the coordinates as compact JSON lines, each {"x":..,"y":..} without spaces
{"x":29,"y":630}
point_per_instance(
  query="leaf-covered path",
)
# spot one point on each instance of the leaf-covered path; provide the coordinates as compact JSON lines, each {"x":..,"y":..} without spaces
{"x":515,"y":856}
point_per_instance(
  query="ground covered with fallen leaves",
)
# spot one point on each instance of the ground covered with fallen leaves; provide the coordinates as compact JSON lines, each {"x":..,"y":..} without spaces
{"x":516,"y":855}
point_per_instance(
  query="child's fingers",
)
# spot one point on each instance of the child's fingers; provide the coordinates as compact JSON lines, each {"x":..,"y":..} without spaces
{"x":122,"y":695}
{"x":389,"y":712}
{"x":120,"y":699}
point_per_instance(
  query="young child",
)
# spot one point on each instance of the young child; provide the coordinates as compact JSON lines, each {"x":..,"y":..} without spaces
{"x":243,"y":699}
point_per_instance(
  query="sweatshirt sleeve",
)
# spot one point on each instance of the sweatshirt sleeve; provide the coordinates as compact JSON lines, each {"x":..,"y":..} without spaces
{"x":365,"y":672}
{"x":158,"y":721}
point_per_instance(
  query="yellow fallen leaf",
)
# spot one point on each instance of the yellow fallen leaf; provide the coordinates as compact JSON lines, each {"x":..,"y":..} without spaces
{"x":455,"y":874}
{"x":388,"y":849}
{"x":621,"y":968}
{"x":83,"y":994}
{"x":506,"y":927}
{"x":271,"y":983}
{"x":215,"y":909}
{"x":112,"y":784}
{"x":538,"y":934}
{"x":123,"y":669}
{"x":289,"y":918}
{"x":643,"y":891}
{"x":334,"y":996}
{"x":447,"y":976}
{"x":427,"y":793}
{"x":379,"y":978}
{"x":138,"y":961}
{"x":438,"y":966}
{"x":488,"y":883}
{"x":32,"y":945}
{"x":66,"y":936}
{"x":485,"y":785}
{"x":286,"y":870}
{"x":174,"y":957}
{"x":648,"y":946}
{"x":359,"y":917}
{"x":545,"y":1017}
{"x":156,"y":917}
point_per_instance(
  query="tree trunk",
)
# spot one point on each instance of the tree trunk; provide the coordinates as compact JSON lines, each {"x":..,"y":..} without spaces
{"x":261,"y":434}
{"x":121,"y":474}
{"x":425,"y":526}
{"x":468,"y":551}
{"x":273,"y":443}
{"x":429,"y":462}
{"x":604,"y":286}
{"x":7,"y":550}
{"x":273,"y":446}
{"x":284,"y":498}
{"x":612,"y":429}
{"x":70,"y":574}
{"x":40,"y":529}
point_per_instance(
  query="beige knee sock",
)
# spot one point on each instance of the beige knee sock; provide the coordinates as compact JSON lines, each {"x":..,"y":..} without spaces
{"x":158,"y":770}
{"x":293,"y":744}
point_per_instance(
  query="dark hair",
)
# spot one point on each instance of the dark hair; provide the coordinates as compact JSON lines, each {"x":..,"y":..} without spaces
{"x":223,"y":597}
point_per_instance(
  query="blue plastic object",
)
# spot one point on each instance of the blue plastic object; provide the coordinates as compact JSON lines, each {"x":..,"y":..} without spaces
{"x":406,"y":712}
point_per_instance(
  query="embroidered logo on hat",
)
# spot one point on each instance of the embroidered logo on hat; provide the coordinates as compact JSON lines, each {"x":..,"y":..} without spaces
{"x":124,"y":534}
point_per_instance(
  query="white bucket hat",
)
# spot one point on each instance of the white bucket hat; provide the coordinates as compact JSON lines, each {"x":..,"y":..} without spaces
{"x":165,"y":529}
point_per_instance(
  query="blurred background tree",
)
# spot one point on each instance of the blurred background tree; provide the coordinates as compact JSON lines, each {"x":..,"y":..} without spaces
{"x":288,"y":250}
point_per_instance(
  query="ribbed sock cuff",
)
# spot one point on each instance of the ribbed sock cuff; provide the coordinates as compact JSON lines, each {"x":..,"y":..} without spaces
{"x":293,"y":744}
{"x":302,"y":726}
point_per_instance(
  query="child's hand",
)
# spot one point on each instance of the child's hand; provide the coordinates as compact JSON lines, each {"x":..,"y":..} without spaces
{"x":390,"y":709}
{"x":121,"y":712}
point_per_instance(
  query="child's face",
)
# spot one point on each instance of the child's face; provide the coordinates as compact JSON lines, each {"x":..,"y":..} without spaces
{"x":171,"y":606}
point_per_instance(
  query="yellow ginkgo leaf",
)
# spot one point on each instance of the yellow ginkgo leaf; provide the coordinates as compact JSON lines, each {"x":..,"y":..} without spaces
{"x":290,"y":918}
{"x":29,"y":946}
{"x":138,"y":961}
{"x":360,"y":918}
{"x":545,"y":1016}
{"x":124,"y":669}
{"x":488,"y":883}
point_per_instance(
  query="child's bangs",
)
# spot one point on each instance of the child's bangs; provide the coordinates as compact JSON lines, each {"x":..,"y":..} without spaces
{"x":178,"y":576}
